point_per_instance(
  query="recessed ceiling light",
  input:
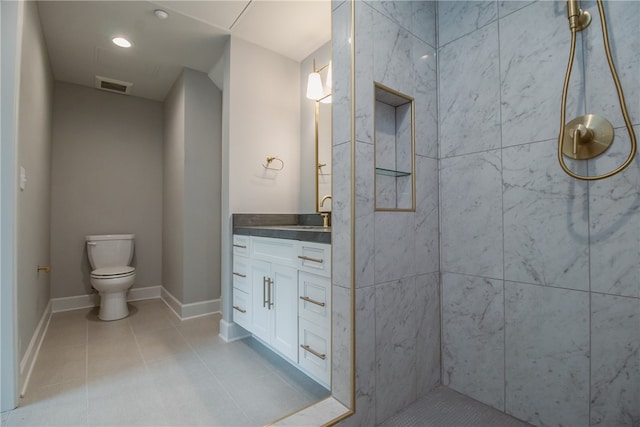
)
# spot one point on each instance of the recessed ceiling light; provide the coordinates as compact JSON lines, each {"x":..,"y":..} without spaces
{"x":121,"y":41}
{"x":161,"y":14}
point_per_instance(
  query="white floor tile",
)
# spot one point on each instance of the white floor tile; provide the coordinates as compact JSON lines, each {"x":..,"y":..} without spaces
{"x":153,"y":369}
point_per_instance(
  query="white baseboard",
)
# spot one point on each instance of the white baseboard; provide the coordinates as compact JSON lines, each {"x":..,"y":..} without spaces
{"x":230,"y":331}
{"x":93,"y":300}
{"x":74,"y":303}
{"x":171,"y":301}
{"x":149,"y":292}
{"x":30,"y":356}
{"x":191,"y":310}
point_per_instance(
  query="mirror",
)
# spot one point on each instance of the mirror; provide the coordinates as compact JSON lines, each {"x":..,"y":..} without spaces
{"x":323,"y":156}
{"x":319,"y":90}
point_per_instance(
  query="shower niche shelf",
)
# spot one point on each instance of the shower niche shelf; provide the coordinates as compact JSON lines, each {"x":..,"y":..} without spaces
{"x":389,"y":172}
{"x":394,"y":150}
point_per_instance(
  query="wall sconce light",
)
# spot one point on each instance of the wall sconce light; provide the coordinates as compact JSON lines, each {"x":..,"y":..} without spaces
{"x":315,"y":89}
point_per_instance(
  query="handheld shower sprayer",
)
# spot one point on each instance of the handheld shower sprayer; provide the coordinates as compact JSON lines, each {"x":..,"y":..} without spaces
{"x":588,"y":136}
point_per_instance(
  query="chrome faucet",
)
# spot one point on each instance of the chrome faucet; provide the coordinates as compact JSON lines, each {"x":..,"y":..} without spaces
{"x":325,"y":215}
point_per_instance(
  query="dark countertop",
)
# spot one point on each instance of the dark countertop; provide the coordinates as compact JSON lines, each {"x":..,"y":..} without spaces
{"x":305,"y":227}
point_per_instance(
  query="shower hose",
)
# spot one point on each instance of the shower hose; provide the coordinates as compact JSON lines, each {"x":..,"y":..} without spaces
{"x":621,"y":100}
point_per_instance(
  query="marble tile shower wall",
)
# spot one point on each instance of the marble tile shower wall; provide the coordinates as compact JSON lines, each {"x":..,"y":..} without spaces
{"x":540,"y":273}
{"x":341,"y":205}
{"x":397,"y":253}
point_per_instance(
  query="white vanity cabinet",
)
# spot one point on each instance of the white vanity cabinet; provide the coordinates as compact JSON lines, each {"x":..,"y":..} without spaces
{"x":314,"y":310}
{"x":282,"y":295}
{"x":242,"y":311}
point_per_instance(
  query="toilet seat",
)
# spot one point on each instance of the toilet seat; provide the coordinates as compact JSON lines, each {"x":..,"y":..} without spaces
{"x":113,"y":272}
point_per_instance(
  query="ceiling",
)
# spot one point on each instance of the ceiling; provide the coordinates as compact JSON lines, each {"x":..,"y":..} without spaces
{"x":78,"y":36}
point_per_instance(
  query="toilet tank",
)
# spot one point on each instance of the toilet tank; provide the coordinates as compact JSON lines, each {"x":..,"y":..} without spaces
{"x":110,"y":250}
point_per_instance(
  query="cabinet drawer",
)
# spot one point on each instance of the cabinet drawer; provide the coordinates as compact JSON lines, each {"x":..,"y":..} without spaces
{"x":241,"y":245}
{"x":242,"y":309}
{"x":279,"y":251}
{"x":315,"y":350}
{"x":241,"y":274}
{"x":315,"y":258}
{"x":314,"y":298}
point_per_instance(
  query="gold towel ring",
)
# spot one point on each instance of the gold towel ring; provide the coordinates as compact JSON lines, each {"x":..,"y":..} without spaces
{"x":270,"y":159}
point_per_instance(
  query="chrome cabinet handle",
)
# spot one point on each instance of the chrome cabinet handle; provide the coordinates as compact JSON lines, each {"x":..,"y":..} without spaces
{"x":312,"y":301}
{"x":264,"y":291}
{"x":269,"y":283}
{"x":239,"y":274}
{"x":235,"y":245}
{"x":312,"y":351}
{"x":239,"y":309}
{"x":308,"y":258}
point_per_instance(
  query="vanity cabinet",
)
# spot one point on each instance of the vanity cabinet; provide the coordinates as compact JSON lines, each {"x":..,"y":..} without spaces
{"x":282,"y":295}
{"x":314,"y":310}
{"x":314,"y":325}
{"x":242,"y":301}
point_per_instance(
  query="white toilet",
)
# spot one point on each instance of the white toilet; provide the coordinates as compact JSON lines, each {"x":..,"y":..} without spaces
{"x":110,"y":256}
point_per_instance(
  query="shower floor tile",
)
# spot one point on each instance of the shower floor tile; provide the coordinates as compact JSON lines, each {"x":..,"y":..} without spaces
{"x":444,"y":407}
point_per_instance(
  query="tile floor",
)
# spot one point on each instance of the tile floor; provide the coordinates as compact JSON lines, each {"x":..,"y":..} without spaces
{"x":153,"y":369}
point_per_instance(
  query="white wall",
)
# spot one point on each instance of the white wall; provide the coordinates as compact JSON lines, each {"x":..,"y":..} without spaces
{"x":264,"y":116}
{"x":106,"y":179}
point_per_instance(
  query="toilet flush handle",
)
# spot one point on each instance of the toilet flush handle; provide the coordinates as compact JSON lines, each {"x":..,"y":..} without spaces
{"x":91,"y":243}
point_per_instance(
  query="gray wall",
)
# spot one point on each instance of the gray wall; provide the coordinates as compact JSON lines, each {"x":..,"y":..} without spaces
{"x":540,"y":272}
{"x":34,"y":154}
{"x":106,"y":178}
{"x":192,"y":185}
{"x":397,"y":257}
{"x":173,"y":189}
{"x":9,"y":29}
{"x":202,"y":214}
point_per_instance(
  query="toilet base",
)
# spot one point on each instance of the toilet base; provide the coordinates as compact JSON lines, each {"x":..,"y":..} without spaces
{"x":113,"y":305}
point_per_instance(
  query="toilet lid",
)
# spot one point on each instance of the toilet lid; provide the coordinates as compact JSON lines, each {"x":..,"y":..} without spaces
{"x":113,"y":271}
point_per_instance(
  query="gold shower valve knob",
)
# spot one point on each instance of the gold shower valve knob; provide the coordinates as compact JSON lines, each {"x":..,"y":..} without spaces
{"x":586,"y":137}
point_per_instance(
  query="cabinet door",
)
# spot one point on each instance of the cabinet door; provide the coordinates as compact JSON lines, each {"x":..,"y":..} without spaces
{"x":261,"y":314}
{"x":285,"y":310}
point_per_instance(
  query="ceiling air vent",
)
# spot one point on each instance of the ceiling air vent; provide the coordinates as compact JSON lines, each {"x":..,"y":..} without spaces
{"x":113,"y":85}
